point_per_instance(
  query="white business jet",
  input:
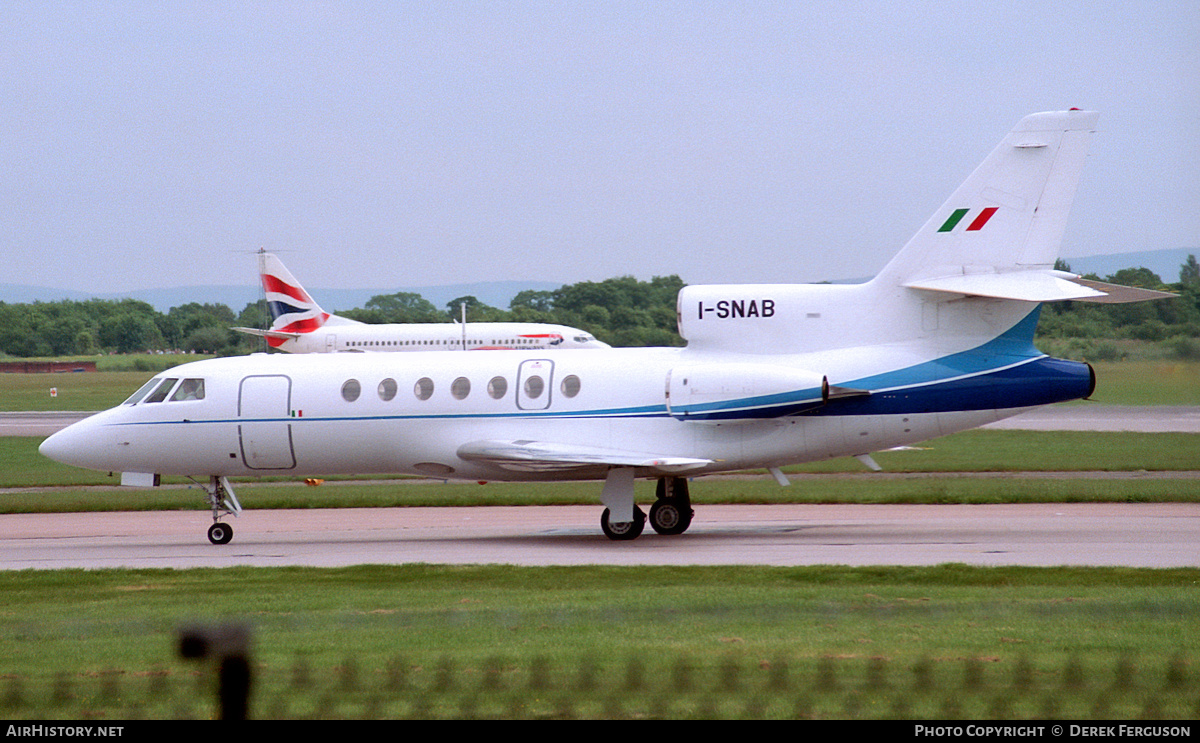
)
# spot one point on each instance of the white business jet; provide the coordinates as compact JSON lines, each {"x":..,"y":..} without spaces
{"x":299,"y":325}
{"x":940,"y":341}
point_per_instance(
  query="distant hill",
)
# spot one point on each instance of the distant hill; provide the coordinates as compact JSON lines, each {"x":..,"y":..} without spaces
{"x":495,"y":294}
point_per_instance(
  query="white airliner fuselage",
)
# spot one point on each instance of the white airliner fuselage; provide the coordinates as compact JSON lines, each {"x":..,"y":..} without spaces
{"x":775,"y":374}
{"x":479,"y":336}
{"x":300,"y":325}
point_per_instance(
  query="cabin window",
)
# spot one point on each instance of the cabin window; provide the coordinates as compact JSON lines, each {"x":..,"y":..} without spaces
{"x":423,"y":388}
{"x":497,"y":387}
{"x":137,"y":396}
{"x":534,"y":387}
{"x":189,"y":389}
{"x":570,"y":386}
{"x":387,"y":389}
{"x":460,"y":388}
{"x":351,"y":390}
{"x":160,"y":393}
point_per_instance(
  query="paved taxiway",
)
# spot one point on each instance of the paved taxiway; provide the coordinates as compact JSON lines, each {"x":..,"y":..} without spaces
{"x":1137,"y":535}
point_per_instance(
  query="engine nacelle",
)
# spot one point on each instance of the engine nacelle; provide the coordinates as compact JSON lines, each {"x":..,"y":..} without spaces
{"x":720,"y":393}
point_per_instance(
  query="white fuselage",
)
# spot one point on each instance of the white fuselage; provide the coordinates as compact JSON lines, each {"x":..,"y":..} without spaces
{"x":401,"y":337}
{"x":364,"y":413}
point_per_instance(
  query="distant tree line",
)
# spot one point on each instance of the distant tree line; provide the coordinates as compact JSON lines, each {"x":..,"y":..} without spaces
{"x":1096,"y":330}
{"x":622,"y":311}
{"x":95,"y":326}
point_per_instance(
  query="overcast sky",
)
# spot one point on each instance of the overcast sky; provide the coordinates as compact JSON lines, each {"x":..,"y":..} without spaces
{"x":407,"y":144}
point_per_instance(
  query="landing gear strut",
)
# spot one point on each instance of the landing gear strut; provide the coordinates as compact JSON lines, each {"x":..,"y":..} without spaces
{"x":672,"y":510}
{"x":223,"y":503}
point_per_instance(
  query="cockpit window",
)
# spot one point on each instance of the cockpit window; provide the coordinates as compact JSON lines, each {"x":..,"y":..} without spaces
{"x":160,"y":393}
{"x":137,"y":396}
{"x":190,"y":389}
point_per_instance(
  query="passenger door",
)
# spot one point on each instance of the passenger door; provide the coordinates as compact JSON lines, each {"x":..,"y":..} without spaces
{"x":535,"y":380}
{"x":265,"y":429}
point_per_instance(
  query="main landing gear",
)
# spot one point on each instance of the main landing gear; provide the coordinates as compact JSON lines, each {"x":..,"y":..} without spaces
{"x":670,"y":514}
{"x":223,"y":503}
{"x":672,"y":510}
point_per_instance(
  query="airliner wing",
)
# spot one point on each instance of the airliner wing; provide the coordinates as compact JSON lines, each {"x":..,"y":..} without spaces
{"x":277,"y":334}
{"x":541,"y":456}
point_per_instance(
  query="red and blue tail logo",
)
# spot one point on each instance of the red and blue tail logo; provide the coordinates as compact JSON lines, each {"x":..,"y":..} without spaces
{"x":292,"y":310}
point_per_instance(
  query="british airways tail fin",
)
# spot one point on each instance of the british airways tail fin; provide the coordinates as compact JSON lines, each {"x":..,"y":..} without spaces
{"x":292,"y":309}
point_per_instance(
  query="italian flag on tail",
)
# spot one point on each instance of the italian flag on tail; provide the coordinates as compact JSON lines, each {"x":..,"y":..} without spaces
{"x":976,"y":224}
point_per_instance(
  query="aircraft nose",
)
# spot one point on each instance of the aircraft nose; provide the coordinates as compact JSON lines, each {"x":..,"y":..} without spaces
{"x":67,"y":446}
{"x":56,"y":446}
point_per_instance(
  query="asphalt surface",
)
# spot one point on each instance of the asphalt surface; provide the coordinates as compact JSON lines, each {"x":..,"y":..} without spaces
{"x":1152,"y":535}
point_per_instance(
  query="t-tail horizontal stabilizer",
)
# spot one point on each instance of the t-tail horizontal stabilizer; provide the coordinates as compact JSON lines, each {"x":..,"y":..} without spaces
{"x":1037,"y":286}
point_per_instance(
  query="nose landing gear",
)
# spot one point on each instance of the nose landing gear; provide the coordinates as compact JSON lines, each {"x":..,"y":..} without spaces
{"x":223,"y":502}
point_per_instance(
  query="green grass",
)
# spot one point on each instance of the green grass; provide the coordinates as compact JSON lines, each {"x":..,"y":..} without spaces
{"x":704,"y":492}
{"x":74,"y":391}
{"x":970,"y":451}
{"x":444,"y":641}
{"x":1147,"y":383}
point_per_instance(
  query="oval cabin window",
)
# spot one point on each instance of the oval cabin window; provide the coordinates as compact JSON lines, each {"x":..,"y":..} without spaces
{"x":534,"y":386}
{"x":423,"y":388}
{"x":497,"y":387}
{"x":570,"y":386}
{"x":460,"y":388}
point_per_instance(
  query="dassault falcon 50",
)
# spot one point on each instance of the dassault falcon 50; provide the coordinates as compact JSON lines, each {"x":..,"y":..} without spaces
{"x":941,"y":340}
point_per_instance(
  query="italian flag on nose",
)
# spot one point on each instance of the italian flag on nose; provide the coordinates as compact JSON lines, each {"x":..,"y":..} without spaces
{"x":976,"y":224}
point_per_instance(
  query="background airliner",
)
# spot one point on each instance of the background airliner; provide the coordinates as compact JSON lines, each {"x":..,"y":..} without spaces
{"x":773,"y":374}
{"x":299,"y":325}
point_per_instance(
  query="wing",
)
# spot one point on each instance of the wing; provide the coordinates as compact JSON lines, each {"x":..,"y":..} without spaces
{"x":540,"y":456}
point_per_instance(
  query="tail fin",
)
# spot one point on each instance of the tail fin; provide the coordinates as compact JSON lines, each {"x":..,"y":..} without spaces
{"x":292,"y":309}
{"x":1000,"y":233}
